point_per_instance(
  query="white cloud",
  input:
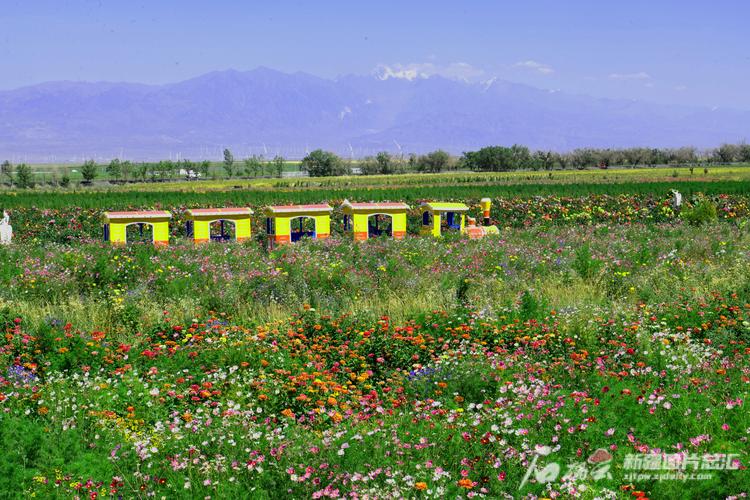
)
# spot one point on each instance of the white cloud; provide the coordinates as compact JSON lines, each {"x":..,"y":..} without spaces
{"x":535,"y":66}
{"x":680,"y":88}
{"x":641,"y":75}
{"x":412,"y":71}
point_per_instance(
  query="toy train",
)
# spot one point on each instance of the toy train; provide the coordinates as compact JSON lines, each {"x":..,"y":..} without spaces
{"x":290,"y":223}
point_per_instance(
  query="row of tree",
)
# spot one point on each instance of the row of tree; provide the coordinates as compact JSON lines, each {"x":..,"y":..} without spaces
{"x":500,"y":158}
{"x":23,"y":176}
{"x":320,"y":163}
{"x":254,"y":166}
{"x":517,"y":157}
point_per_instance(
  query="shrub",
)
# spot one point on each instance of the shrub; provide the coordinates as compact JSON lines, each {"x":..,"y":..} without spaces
{"x":701,"y":213}
{"x":584,"y":264}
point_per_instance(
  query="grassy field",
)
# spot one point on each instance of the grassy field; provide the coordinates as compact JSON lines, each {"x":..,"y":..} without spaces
{"x":51,"y":173}
{"x":600,"y":331}
{"x":410,"y":188}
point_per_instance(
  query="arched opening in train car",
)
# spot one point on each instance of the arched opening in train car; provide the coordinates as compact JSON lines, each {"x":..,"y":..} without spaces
{"x":223,"y":230}
{"x":139,"y":232}
{"x":302,"y":227}
{"x":450,"y":221}
{"x":427,"y":218}
{"x":379,"y":225}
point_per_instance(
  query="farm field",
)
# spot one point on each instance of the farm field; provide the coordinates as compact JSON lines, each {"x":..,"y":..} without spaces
{"x":601,"y":330}
{"x":47,"y":174}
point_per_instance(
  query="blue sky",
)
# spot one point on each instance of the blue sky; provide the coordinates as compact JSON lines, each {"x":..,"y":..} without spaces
{"x":686,"y":52}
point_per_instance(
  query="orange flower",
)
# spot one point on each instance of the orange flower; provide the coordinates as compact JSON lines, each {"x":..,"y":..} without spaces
{"x":288,"y":413}
{"x":421,"y":485}
{"x":466,"y":483}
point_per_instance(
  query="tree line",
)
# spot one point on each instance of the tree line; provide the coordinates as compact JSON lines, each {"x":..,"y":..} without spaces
{"x":320,"y":163}
{"x":22,"y":175}
{"x":517,"y":157}
{"x":500,"y":158}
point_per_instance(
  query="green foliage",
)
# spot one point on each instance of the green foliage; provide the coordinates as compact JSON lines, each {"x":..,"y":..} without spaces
{"x":170,"y":372}
{"x":24,"y":176}
{"x":530,"y":306}
{"x":89,"y":170}
{"x":253,"y":166}
{"x":6,"y":170}
{"x":703,"y":212}
{"x":585,"y":264}
{"x":386,"y":165}
{"x":382,"y":164}
{"x":433,"y":162}
{"x":114,"y":169}
{"x":321,"y":163}
{"x":126,"y":169}
{"x":204,"y":168}
{"x":228,"y":163}
{"x":498,"y":159}
{"x":277,"y":165}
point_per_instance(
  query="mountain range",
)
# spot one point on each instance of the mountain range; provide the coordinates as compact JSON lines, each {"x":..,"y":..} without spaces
{"x":268,"y":112}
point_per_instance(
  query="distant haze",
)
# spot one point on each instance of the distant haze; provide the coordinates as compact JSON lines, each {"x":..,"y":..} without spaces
{"x":268,"y":112}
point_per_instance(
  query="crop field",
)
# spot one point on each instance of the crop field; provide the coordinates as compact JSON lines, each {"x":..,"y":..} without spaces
{"x":49,"y":174}
{"x":598,"y":347}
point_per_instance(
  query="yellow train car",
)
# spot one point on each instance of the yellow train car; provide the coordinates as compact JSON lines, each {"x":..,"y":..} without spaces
{"x":442,"y":216}
{"x":228,"y":224}
{"x":289,"y":223}
{"x":155,"y":222}
{"x":368,"y":220}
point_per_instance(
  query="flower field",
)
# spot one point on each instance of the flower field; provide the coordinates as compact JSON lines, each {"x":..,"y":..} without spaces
{"x":599,"y":333}
{"x":73,"y":224}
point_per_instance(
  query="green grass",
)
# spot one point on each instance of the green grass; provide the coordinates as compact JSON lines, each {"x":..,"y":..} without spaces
{"x":167,"y":372}
{"x":217,"y":180}
{"x":232,"y":370}
{"x":257,"y":194}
